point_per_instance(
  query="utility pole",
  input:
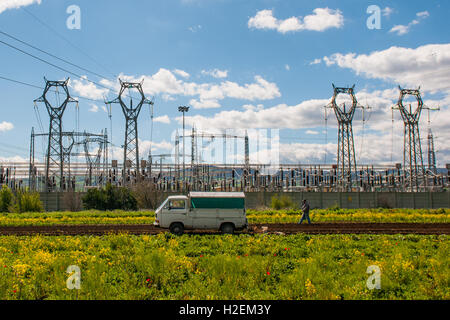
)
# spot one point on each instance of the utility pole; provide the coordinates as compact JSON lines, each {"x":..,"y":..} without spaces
{"x":55,"y":153}
{"x":183,"y":109}
{"x":346,"y":161}
{"x":131,"y":146}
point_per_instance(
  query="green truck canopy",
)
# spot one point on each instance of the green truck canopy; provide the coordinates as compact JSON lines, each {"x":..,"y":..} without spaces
{"x":217,"y":200}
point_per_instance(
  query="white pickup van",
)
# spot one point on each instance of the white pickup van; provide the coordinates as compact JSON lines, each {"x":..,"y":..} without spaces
{"x":224,"y":211}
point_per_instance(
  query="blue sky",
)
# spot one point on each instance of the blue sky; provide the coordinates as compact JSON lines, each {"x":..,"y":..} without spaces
{"x":238,"y":64}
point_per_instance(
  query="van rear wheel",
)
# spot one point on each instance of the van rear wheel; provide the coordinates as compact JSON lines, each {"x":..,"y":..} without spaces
{"x":227,"y":228}
{"x":177,"y":229}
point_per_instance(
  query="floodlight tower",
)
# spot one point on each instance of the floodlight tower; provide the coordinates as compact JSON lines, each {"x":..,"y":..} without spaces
{"x":346,"y":161}
{"x":55,"y":152}
{"x":131,"y":146}
{"x":413,"y":169}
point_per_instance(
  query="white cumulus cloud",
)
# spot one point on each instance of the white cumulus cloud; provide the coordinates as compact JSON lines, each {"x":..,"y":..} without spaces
{"x":162,"y":119}
{"x":404,"y":29}
{"x":6,"y":126}
{"x":321,"y":20}
{"x":15,"y":4}
{"x":87,"y":89}
{"x":94,"y":108}
{"x":182,"y":73}
{"x":216,"y":73}
{"x":427,"y":66}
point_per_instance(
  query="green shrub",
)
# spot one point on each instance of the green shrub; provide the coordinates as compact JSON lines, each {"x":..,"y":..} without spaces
{"x":284,"y":202}
{"x":276,"y":203}
{"x":110,"y":198}
{"x":28,"y":202}
{"x":334,"y":208}
{"x":6,"y":198}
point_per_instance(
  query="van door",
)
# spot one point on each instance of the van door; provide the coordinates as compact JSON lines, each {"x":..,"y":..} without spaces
{"x":176,"y":211}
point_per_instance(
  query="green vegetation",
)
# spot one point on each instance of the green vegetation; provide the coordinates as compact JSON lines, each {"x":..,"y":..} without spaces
{"x":352,"y":215}
{"x":110,"y":198}
{"x":225,"y":267}
{"x":6,"y":198}
{"x":254,"y":216}
{"x":28,"y":202}
{"x":23,"y":201}
{"x":283,"y":202}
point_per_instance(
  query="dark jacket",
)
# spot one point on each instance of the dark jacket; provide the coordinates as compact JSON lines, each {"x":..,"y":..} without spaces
{"x":305,"y":208}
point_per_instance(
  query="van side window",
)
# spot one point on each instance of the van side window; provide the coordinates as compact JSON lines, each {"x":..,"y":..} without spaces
{"x":177,"y":204}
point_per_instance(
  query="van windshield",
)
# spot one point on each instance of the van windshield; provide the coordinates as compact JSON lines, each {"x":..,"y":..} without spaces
{"x":162,"y":205}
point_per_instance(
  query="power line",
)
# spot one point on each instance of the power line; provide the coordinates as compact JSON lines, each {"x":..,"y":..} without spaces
{"x":63,"y":69}
{"x":68,"y":41}
{"x":53,"y":65}
{"x":20,"y":82}
{"x":51,"y":55}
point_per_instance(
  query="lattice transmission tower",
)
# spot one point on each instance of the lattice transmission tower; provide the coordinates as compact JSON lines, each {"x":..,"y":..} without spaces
{"x":131,"y":113}
{"x":413,"y":168}
{"x":55,"y":170}
{"x":346,"y":160}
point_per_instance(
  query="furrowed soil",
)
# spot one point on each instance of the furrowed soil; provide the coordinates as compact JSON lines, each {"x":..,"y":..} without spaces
{"x":281,"y":229}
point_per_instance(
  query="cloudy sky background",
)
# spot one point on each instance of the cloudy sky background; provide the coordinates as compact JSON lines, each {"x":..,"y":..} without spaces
{"x":253,"y":65}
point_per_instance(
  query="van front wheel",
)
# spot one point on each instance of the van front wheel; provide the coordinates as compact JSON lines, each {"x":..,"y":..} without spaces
{"x":177,"y":229}
{"x":227,"y":228}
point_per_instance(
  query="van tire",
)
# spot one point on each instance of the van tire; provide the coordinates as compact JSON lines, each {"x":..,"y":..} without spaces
{"x":227,"y":228}
{"x":177,"y":228}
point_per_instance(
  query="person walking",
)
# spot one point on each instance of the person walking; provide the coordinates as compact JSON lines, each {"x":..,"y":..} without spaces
{"x":305,"y":209}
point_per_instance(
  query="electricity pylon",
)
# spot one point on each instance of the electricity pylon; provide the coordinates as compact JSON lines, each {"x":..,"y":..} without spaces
{"x":413,"y":169}
{"x":131,"y":146}
{"x":346,"y":161}
{"x":55,"y":167}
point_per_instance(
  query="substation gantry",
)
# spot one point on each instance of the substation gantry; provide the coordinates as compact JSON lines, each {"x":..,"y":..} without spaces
{"x":95,"y":171}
